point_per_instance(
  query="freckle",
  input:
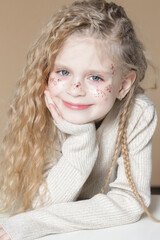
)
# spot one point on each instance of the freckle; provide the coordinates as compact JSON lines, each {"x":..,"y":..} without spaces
{"x":52,"y":81}
{"x":113,"y":69}
{"x":99,"y":93}
{"x":108,"y":88}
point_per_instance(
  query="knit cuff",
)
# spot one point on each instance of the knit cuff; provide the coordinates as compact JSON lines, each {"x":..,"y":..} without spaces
{"x":74,"y":129}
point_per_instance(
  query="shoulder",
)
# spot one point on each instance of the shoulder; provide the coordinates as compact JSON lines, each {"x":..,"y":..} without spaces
{"x":142,"y":114}
{"x":143,"y":109}
{"x":142,"y":101}
{"x":143,"y":120}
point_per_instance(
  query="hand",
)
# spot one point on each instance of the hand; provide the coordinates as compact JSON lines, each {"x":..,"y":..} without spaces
{"x":52,"y":107}
{"x":3,"y":234}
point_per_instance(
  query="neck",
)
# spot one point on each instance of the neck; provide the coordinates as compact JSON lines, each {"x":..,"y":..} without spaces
{"x":98,"y":123}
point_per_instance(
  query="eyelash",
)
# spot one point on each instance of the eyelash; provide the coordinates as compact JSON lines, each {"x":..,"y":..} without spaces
{"x":62,"y":71}
{"x":100,"y":79}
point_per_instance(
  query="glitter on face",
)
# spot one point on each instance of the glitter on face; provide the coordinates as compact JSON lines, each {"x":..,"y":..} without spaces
{"x":108,"y":88}
{"x":99,"y":93}
{"x":77,"y":84}
{"x":102,"y":93}
{"x":112,"y":69}
{"x":53,"y":81}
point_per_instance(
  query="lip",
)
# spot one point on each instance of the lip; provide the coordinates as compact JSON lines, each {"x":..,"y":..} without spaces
{"x":76,"y":106}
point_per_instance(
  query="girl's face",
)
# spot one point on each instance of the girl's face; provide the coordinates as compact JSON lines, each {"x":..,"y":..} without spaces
{"x":83,"y":82}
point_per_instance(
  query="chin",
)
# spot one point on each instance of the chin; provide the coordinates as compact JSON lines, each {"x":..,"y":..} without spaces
{"x":76,"y":121}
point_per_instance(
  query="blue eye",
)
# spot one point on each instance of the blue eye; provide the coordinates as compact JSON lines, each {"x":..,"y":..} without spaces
{"x":64,"y":72}
{"x":96,"y":78}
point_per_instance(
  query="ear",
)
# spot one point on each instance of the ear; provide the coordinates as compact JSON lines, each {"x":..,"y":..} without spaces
{"x":126,"y":84}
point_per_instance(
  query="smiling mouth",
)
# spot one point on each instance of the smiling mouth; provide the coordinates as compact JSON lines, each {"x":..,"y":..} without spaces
{"x":76,"y":106}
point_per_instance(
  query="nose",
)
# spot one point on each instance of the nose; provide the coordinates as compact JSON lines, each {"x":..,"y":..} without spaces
{"x":76,"y":89}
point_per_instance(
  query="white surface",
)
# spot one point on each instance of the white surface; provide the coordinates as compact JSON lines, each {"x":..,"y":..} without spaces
{"x":145,"y":229}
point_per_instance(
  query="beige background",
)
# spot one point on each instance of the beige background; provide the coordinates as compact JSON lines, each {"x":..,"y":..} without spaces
{"x":21,"y":22}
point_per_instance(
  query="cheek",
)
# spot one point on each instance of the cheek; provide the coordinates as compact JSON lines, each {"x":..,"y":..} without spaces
{"x":52,"y":83}
{"x":56,"y":86}
{"x":101,"y":93}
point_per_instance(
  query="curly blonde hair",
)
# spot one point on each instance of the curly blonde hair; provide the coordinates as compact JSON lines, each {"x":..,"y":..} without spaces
{"x":29,"y":140}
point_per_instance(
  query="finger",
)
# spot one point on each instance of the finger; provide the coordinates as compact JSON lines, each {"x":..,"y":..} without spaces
{"x":48,"y":99}
{"x":5,"y":237}
{"x":52,"y":108}
{"x":56,"y":107}
{"x":1,"y":232}
{"x":52,"y":103}
{"x":54,"y":113}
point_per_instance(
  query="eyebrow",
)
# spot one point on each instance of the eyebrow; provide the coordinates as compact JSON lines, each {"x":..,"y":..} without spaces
{"x":61,"y":66}
{"x":93,"y":71}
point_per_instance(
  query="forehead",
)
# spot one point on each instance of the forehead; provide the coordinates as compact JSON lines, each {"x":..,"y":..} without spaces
{"x":84,"y":49}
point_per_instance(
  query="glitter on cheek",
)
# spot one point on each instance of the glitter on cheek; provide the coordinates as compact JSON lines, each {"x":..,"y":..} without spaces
{"x":112,"y":69}
{"x":108,"y":88}
{"x":101,"y":93}
{"x":55,"y":82}
{"x":98,"y":93}
{"x":52,"y":82}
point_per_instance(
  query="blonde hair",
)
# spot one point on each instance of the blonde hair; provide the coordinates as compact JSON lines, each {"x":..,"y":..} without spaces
{"x":29,"y":140}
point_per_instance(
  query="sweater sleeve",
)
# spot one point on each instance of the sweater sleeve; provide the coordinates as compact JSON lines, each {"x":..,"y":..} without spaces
{"x":117,"y":207}
{"x":79,"y":153}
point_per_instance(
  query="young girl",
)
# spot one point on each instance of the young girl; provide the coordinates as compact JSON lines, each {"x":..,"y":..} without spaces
{"x":77,"y":150}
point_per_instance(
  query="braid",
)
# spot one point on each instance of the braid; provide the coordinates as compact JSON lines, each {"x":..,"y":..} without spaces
{"x":125,"y":153}
{"x":122,"y":123}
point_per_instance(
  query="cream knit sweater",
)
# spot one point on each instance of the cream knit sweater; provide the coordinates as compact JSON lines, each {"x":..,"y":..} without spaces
{"x":75,"y":181}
